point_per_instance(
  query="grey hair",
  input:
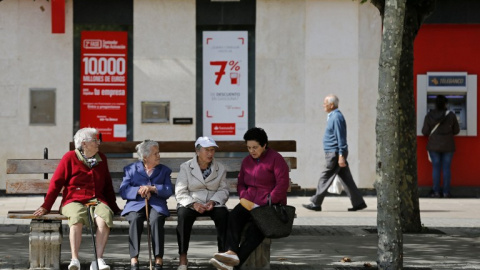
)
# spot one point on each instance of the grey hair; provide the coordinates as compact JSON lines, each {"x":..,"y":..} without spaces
{"x":198,"y":147}
{"x":332,"y":99}
{"x":83,"y":135}
{"x":144,"y":148}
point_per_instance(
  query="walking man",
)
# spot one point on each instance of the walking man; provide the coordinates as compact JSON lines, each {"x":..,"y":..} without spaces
{"x":336,"y":152}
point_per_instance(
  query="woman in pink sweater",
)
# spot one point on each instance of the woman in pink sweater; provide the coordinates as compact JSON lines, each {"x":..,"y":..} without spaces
{"x":264,"y":173}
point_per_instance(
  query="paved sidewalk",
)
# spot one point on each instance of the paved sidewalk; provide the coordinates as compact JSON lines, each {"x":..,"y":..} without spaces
{"x":319,"y":240}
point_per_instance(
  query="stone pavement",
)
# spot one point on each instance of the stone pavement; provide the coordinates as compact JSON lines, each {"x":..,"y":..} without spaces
{"x":319,"y":239}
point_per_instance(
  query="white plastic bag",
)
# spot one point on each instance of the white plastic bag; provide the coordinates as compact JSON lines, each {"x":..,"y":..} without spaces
{"x":336,"y":187}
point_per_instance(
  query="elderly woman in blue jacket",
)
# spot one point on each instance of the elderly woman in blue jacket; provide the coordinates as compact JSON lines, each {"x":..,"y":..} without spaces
{"x":146,"y":179}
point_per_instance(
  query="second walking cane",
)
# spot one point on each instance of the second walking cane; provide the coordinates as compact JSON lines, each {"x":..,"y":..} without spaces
{"x":148,"y":234}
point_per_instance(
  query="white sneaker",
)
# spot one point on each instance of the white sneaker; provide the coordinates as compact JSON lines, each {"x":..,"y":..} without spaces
{"x":74,"y":265}
{"x":227,"y":258}
{"x":101,"y":265}
{"x":219,"y":265}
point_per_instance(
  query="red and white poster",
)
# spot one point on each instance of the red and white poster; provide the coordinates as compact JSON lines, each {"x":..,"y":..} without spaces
{"x":225,"y":84}
{"x":103,"y":83}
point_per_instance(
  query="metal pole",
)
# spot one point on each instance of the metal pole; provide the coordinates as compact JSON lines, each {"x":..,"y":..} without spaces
{"x":45,"y":156}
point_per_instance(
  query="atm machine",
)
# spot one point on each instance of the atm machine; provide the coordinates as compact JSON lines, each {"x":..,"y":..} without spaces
{"x":459,"y":88}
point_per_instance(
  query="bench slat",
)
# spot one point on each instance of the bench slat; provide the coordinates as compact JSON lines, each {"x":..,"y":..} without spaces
{"x":26,"y":186}
{"x":31,"y":166}
{"x":188,"y":146}
{"x":26,"y":214}
{"x":39,"y":166}
{"x":40,"y":186}
{"x":55,"y":215}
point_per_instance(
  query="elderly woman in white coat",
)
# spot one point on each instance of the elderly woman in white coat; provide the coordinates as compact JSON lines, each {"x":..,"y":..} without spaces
{"x":201,"y":190}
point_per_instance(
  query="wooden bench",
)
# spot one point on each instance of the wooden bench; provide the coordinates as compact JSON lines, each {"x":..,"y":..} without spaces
{"x":46,"y":231}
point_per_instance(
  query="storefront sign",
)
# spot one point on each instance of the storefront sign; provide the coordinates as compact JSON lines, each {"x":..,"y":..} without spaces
{"x":447,"y":81}
{"x":103,"y":83}
{"x":225,"y":84}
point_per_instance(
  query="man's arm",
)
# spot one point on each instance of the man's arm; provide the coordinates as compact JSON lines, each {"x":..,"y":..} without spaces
{"x":341,"y":135}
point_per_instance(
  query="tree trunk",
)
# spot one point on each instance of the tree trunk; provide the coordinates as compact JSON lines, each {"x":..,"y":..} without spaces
{"x":410,"y":209}
{"x":390,"y":165}
{"x":415,"y":13}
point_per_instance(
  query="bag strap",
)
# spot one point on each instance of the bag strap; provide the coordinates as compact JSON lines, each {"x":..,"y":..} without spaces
{"x":438,"y":124}
{"x":279,"y":210}
{"x":435,"y":128}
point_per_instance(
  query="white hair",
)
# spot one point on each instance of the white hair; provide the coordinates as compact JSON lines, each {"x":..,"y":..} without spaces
{"x":144,"y":148}
{"x":83,"y":135}
{"x":332,"y":99}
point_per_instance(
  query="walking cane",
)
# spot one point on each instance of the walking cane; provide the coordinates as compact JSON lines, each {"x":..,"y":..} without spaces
{"x":90,"y":220}
{"x":148,"y":233}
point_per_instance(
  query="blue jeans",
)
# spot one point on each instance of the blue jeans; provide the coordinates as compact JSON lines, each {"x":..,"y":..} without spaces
{"x":441,"y":162}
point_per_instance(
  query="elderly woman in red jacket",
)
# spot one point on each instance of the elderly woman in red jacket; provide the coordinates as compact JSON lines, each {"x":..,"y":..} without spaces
{"x":264,"y":173}
{"x":84,"y":176}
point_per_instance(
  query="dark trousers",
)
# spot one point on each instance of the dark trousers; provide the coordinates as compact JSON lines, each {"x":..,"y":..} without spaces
{"x":239,"y":220}
{"x":328,"y":175}
{"x":157,"y":222}
{"x":186,"y":218}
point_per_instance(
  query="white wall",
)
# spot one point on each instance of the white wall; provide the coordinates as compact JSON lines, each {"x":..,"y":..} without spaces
{"x":369,"y":24}
{"x":32,"y":57}
{"x":305,"y":49}
{"x":164,"y":62}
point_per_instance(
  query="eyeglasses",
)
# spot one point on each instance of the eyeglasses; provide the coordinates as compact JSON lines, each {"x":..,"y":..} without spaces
{"x":92,"y":140}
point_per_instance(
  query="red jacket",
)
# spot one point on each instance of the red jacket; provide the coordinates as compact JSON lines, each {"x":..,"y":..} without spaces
{"x":80,"y":183}
{"x":268,"y":175}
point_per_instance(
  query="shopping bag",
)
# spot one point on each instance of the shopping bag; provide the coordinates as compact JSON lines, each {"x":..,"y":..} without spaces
{"x":336,"y":187}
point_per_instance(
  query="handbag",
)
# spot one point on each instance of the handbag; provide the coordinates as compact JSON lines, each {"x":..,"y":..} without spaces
{"x":336,"y":187}
{"x":274,"y":220}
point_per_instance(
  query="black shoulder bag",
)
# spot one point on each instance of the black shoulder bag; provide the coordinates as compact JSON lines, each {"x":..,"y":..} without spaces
{"x":275,"y":221}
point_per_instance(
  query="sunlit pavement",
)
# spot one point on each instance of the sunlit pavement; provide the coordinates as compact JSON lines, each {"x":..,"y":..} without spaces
{"x":319,"y":240}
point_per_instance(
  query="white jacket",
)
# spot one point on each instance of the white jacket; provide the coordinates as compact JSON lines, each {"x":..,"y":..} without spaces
{"x":190,"y":186}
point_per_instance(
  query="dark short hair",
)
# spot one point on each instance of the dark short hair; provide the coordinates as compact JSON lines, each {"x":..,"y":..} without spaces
{"x":441,"y":102}
{"x":256,"y":134}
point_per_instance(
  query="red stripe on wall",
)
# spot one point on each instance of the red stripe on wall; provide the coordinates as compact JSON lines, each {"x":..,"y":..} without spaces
{"x":58,"y":16}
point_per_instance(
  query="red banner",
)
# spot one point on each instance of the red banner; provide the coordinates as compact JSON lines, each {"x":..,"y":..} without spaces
{"x":103,"y":83}
{"x":58,"y":16}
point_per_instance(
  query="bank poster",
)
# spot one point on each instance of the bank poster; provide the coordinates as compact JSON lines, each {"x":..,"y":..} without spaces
{"x":225,"y":84}
{"x":103,"y":83}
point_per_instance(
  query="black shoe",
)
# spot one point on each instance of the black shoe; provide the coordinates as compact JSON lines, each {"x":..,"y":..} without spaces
{"x":158,"y":267}
{"x":135,"y":267}
{"x":358,"y":207}
{"x":312,"y":207}
{"x":436,"y":195}
{"x":447,"y":195}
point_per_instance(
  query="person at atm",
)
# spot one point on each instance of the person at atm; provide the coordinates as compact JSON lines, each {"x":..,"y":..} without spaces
{"x":440,"y":125}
